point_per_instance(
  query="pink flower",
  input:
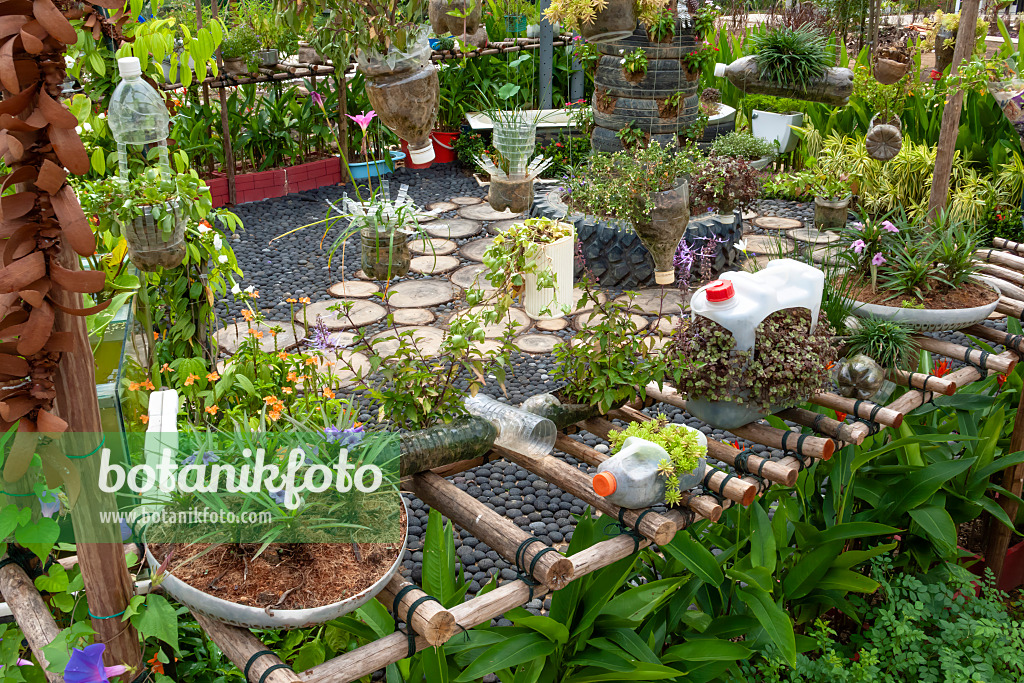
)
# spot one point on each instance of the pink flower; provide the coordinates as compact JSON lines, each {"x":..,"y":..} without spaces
{"x":363,"y":119}
{"x":318,"y":99}
{"x":877,"y":260}
{"x":858,"y":246}
{"x":887,"y":225}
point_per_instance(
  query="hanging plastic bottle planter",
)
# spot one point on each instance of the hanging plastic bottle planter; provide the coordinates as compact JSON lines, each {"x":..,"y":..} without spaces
{"x":884,"y":138}
{"x":403,"y":88}
{"x":138,"y":118}
{"x":512,"y":176}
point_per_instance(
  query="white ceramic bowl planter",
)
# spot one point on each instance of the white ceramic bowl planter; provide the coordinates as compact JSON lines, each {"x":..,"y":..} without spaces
{"x":777,"y":127}
{"x":930,"y":319}
{"x":558,"y":257}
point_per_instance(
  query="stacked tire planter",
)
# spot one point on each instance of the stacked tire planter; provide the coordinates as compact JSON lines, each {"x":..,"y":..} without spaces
{"x":614,"y":254}
{"x":618,"y":103}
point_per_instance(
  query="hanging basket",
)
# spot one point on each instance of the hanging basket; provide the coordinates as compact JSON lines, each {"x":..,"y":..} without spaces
{"x":884,"y":139}
{"x":151,"y":246}
{"x":616,"y":21}
{"x":889,"y":71}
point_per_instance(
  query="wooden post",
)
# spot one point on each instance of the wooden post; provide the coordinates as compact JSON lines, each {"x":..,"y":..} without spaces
{"x":229,"y":152}
{"x":430,"y":620}
{"x":1013,"y":479}
{"x":339,"y":73}
{"x":865,"y":410}
{"x":951,"y":113}
{"x":821,"y":424}
{"x":240,"y":645}
{"x":30,"y":613}
{"x":999,"y":364}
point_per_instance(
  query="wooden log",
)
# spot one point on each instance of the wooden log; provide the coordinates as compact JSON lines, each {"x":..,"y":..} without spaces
{"x":730,"y":486}
{"x":835,"y":87}
{"x":552,"y":568}
{"x":1007,"y":289}
{"x":992,"y":363}
{"x":571,"y":480}
{"x":1003,"y":243}
{"x":1007,"y":274}
{"x":756,"y":465}
{"x":599,"y":426}
{"x":430,"y":620}
{"x":481,"y":609}
{"x":240,"y":645}
{"x":920,"y":380}
{"x":787,"y":440}
{"x":30,"y":613}
{"x":706,"y":506}
{"x":865,"y":410}
{"x":821,"y":424}
{"x":1008,"y":306}
{"x":1010,"y":341}
{"x":1001,"y":258}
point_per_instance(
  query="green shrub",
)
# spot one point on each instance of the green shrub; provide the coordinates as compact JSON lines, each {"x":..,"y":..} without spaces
{"x":791,"y":56}
{"x":742,"y":146}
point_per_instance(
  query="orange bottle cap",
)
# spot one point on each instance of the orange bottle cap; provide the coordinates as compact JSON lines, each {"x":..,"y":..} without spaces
{"x":604,"y":484}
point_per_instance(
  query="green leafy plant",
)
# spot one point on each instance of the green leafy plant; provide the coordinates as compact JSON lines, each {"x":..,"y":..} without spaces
{"x":240,"y":43}
{"x":791,"y":56}
{"x":632,"y":136}
{"x":663,"y":29}
{"x":887,"y":342}
{"x":724,"y":183}
{"x":576,"y":14}
{"x":696,"y":59}
{"x":635,"y":62}
{"x":742,"y":145}
{"x":678,"y":441}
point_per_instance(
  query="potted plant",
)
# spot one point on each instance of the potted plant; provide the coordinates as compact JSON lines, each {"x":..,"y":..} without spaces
{"x":516,"y":15}
{"x":513,"y":167}
{"x":686,"y":447}
{"x":772,"y":121}
{"x":644,"y":186}
{"x":602,"y":21}
{"x":721,"y":118}
{"x":458,"y":17}
{"x":728,"y":388}
{"x":755,"y":151}
{"x":831,"y":201}
{"x":634,"y":65}
{"x":790,"y":62}
{"x":724,"y":184}
{"x":533,"y":260}
{"x":239,"y":51}
{"x":943,"y":34}
{"x":917,"y":274}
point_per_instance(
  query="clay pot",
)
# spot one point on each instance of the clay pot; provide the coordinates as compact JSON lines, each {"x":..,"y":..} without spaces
{"x":831,"y":213}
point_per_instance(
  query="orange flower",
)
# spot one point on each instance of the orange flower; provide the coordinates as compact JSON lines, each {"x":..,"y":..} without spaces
{"x":144,"y":419}
{"x":310,"y":361}
{"x":259,"y":335}
{"x":191,"y":379}
{"x":941,"y":368}
{"x":841,"y":416}
{"x":156,"y":336}
{"x":252,"y":331}
{"x":133,"y":386}
{"x":273,"y":333}
{"x":270,"y":400}
{"x":166,"y":367}
{"x":304,"y":300}
{"x":155,"y":665}
{"x":282,"y":355}
{"x":212,"y":410}
{"x":274,"y":414}
{"x":205,"y":223}
{"x":247,"y":314}
{"x":292,"y":377}
{"x":328,"y":393}
{"x":1001,"y":379}
{"x":292,"y":301}
{"x":213,"y":376}
{"x":256,"y":294}
{"x":287,"y":390}
{"x":148,"y":385}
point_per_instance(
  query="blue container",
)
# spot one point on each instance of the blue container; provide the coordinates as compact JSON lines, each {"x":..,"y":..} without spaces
{"x":374,"y":169}
{"x":434,"y":43}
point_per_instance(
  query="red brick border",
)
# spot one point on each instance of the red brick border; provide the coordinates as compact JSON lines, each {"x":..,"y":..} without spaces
{"x":253,"y":187}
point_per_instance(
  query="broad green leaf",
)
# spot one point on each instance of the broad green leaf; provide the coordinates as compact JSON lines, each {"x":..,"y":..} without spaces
{"x":696,"y":558}
{"x":506,"y":654}
{"x":762,"y":540}
{"x":852,"y":558}
{"x":377,"y":617}
{"x":642,"y":672}
{"x":773,"y":619}
{"x":938,"y":525}
{"x":921,"y":485}
{"x":848,"y":530}
{"x":636,"y":603}
{"x":546,"y":626}
{"x":309,"y":655}
{"x":55,"y":581}
{"x":706,"y":650}
{"x":804,"y":575}
{"x":846,"y":580}
{"x":158,"y":620}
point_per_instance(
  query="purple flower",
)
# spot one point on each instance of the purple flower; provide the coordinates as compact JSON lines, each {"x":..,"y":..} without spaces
{"x":877,"y":260}
{"x":858,"y":246}
{"x":278,"y":496}
{"x":888,"y":226}
{"x":20,"y":662}
{"x":351,"y":436}
{"x":332,"y":434}
{"x":49,"y":508}
{"x":208,"y":457}
{"x":86,"y":666}
{"x":317,"y":98}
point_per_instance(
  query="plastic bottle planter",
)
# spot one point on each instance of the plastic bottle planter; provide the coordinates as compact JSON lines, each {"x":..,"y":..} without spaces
{"x":945,"y":43}
{"x":632,"y":477}
{"x":515,"y":138}
{"x":615,"y":22}
{"x":308,"y":55}
{"x":558,"y":257}
{"x":661,"y":236}
{"x":468,"y":28}
{"x":830,"y":213}
{"x":515,"y":23}
{"x":385,"y":251}
{"x":463,"y":438}
{"x":835,"y":87}
{"x":771,"y":126}
{"x":889,"y":71}
{"x":514,"y":194}
{"x":518,"y":430}
{"x":402,"y":87}
{"x":884,"y":139}
{"x":151,"y":248}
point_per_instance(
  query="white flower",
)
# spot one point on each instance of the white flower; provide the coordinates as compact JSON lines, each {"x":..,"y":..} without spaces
{"x":218,"y":243}
{"x":203,"y":229}
{"x":235,"y":289}
{"x":69,"y":61}
{"x":741,"y":245}
{"x":622,"y":61}
{"x":222,"y":258}
{"x":250,"y":289}
{"x":621,"y":51}
{"x":87,"y":126}
{"x":103,"y":115}
{"x":78,"y":129}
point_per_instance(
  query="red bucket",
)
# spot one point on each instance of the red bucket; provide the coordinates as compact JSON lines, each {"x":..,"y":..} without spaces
{"x":444,"y":146}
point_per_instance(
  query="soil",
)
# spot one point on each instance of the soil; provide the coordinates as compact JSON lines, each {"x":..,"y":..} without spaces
{"x":633,"y":76}
{"x":285,"y":575}
{"x":972,"y":535}
{"x":969,"y":295}
{"x":666,"y":110}
{"x":605,"y":103}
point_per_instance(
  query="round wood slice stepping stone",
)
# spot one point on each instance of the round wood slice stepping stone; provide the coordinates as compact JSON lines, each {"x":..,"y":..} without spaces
{"x":813,"y":236}
{"x":995,"y":315}
{"x":484,"y":348}
{"x":362,"y":276}
{"x":427,"y":340}
{"x":465,"y":201}
{"x":497,"y":227}
{"x":474,"y":251}
{"x":537,"y":343}
{"x":421,"y":293}
{"x":472,"y":277}
{"x":413,"y":316}
{"x":553,"y":325}
{"x":484,"y":212}
{"x":655,"y":301}
{"x":432,"y":265}
{"x":426,"y":217}
{"x":435,"y":245}
{"x":229,"y":338}
{"x":768,"y":245}
{"x":749,"y":215}
{"x":577,"y":294}
{"x":360,"y":313}
{"x":454,"y":228}
{"x":516,"y":316}
{"x":585,"y":320}
{"x":667,"y":326}
{"x":441,"y":207}
{"x":777,"y":223}
{"x":360,"y":289}
{"x":828,"y":255}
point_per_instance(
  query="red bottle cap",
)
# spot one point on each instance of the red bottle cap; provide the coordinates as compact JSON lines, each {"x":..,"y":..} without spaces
{"x":719,"y":290}
{"x":604,"y":484}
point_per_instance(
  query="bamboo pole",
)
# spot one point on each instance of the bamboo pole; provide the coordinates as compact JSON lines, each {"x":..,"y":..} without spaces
{"x":229,"y":152}
{"x":497,"y":531}
{"x":821,"y":424}
{"x":1007,"y":274}
{"x":919,"y":380}
{"x":599,"y":426}
{"x":1001,"y":258}
{"x":950,"y":126}
{"x":430,"y":620}
{"x":1010,"y":341}
{"x":865,"y":410}
{"x":30,"y":613}
{"x":571,"y":480}
{"x":1001,"y":363}
{"x":240,"y":645}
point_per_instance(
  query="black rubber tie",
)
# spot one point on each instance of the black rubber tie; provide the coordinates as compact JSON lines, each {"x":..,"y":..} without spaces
{"x":252,"y":660}
{"x":533,"y":562}
{"x":728,"y":476}
{"x":742,"y":459}
{"x":760,"y":468}
{"x":399,"y":596}
{"x":816,"y":425}
{"x":410,"y":633}
{"x":273,"y":668}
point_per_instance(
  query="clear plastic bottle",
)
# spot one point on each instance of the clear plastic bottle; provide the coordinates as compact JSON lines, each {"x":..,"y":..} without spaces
{"x":137,"y":116}
{"x":518,"y":430}
{"x":630,"y":478}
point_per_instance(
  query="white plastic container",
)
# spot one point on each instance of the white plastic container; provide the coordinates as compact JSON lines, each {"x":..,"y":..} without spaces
{"x":630,"y":478}
{"x":558,"y":257}
{"x":739,"y":301}
{"x":137,"y":116}
{"x":518,"y":430}
{"x":775,"y":127}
